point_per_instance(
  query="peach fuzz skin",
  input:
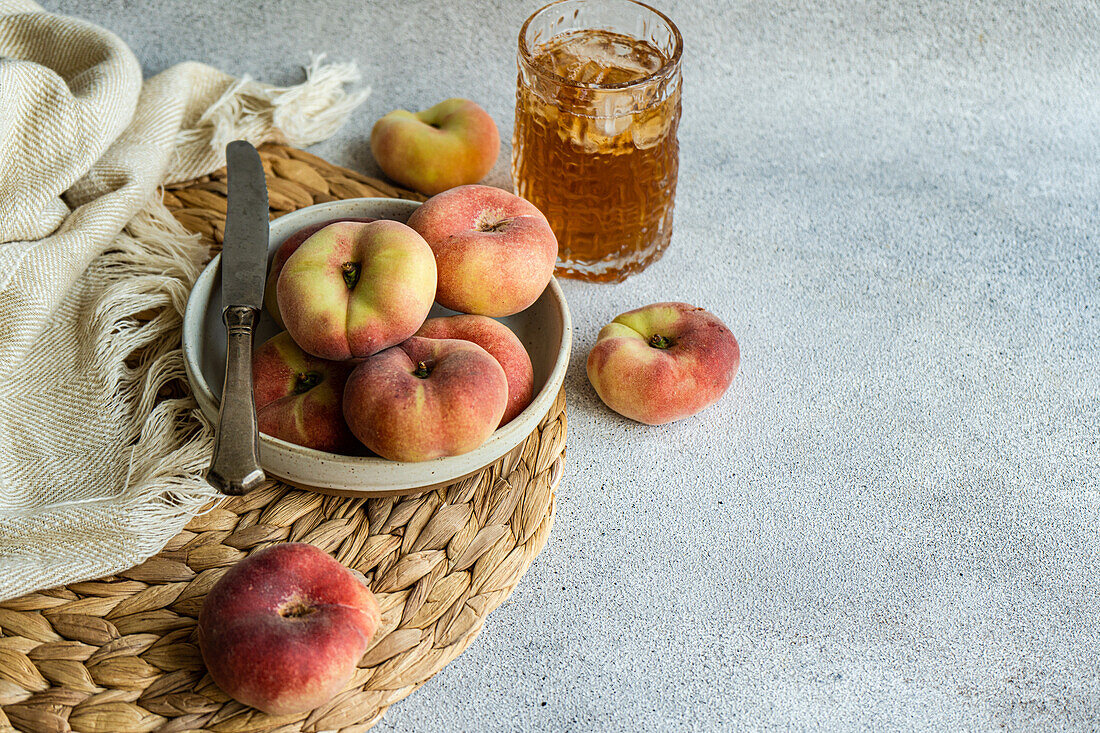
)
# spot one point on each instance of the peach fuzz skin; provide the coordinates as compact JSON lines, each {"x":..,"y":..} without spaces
{"x":494,"y":251}
{"x":352,"y":289}
{"x":451,"y":144}
{"x":299,"y":398}
{"x":502,"y":345}
{"x":284,"y":628}
{"x":425,"y":399}
{"x":638,"y":379}
{"x":282,"y":254}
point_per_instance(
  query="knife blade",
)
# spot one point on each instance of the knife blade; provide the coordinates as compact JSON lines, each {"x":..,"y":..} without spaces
{"x":235,"y":465}
{"x":244,"y":251}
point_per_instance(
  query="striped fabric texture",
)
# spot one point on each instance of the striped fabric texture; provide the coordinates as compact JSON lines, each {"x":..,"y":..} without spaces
{"x":97,"y":473}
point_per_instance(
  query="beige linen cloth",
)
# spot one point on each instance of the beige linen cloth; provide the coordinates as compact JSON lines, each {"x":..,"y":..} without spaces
{"x":96,"y":475}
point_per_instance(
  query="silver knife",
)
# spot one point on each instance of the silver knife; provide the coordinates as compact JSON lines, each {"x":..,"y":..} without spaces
{"x":235,"y":466}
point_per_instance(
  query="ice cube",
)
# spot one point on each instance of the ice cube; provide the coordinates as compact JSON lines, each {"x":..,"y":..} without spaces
{"x":599,"y":57}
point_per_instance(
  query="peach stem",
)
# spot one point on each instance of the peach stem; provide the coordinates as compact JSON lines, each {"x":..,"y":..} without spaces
{"x":351,"y":274}
{"x":306,"y":381}
{"x":492,"y":220}
{"x":296,"y":609}
{"x":496,"y":226}
{"x":422,"y":371}
{"x":658,"y":341}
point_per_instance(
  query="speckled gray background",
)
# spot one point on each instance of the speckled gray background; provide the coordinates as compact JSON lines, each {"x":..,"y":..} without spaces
{"x":892,"y":519}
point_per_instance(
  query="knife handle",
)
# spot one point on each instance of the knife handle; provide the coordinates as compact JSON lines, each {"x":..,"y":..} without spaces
{"x":235,"y":466}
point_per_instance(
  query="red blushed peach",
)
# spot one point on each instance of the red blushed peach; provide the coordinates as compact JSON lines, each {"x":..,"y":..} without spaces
{"x":351,"y":290}
{"x":494,"y":251}
{"x":286,"y":249}
{"x":663,"y":362}
{"x":502,"y":345}
{"x":453,"y":143}
{"x":284,"y":629}
{"x":299,"y":398}
{"x":426,"y":398}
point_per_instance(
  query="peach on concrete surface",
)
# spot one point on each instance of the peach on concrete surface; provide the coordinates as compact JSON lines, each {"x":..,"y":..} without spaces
{"x":352,"y":289}
{"x":663,"y":362}
{"x":451,"y":144}
{"x":502,"y":345}
{"x":494,"y":251}
{"x":426,"y":398}
{"x":284,"y":628}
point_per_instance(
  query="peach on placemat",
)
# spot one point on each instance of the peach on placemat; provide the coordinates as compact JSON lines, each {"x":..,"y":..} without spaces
{"x":663,"y":362}
{"x":284,"y":628}
{"x":502,"y":345}
{"x":453,"y":143}
{"x":426,"y":398}
{"x":351,"y":289}
{"x":495,"y":251}
{"x":283,"y":253}
{"x":299,"y":398}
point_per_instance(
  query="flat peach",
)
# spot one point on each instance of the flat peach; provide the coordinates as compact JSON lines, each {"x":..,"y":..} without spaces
{"x":494,"y":251}
{"x":453,"y":143}
{"x":502,"y":345}
{"x":282,"y":254}
{"x":299,"y":398}
{"x":425,"y":399}
{"x":351,"y":290}
{"x":663,"y":362}
{"x":284,"y":628}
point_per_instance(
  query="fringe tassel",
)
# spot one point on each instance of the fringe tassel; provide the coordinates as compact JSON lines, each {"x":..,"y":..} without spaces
{"x":149,"y":271}
{"x":299,"y":115}
{"x":172,"y":443}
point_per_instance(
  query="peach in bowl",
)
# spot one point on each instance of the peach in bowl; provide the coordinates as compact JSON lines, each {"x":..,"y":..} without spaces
{"x":544,"y":329}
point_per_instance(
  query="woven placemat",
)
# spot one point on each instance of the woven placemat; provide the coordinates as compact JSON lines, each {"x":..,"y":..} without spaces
{"x":119,"y":654}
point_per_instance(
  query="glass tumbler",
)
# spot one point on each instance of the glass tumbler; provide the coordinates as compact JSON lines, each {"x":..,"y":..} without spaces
{"x":595,"y":149}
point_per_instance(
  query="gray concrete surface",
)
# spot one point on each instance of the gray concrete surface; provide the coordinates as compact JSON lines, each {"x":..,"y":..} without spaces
{"x":891,"y":522}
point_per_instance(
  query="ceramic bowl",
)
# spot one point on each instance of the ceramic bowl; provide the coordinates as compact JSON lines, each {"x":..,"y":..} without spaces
{"x":544,"y":328}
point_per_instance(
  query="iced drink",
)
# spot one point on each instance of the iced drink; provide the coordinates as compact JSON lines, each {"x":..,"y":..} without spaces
{"x":595,"y":137}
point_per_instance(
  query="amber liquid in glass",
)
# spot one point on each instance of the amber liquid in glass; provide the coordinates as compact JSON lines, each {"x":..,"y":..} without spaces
{"x":600,"y":163}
